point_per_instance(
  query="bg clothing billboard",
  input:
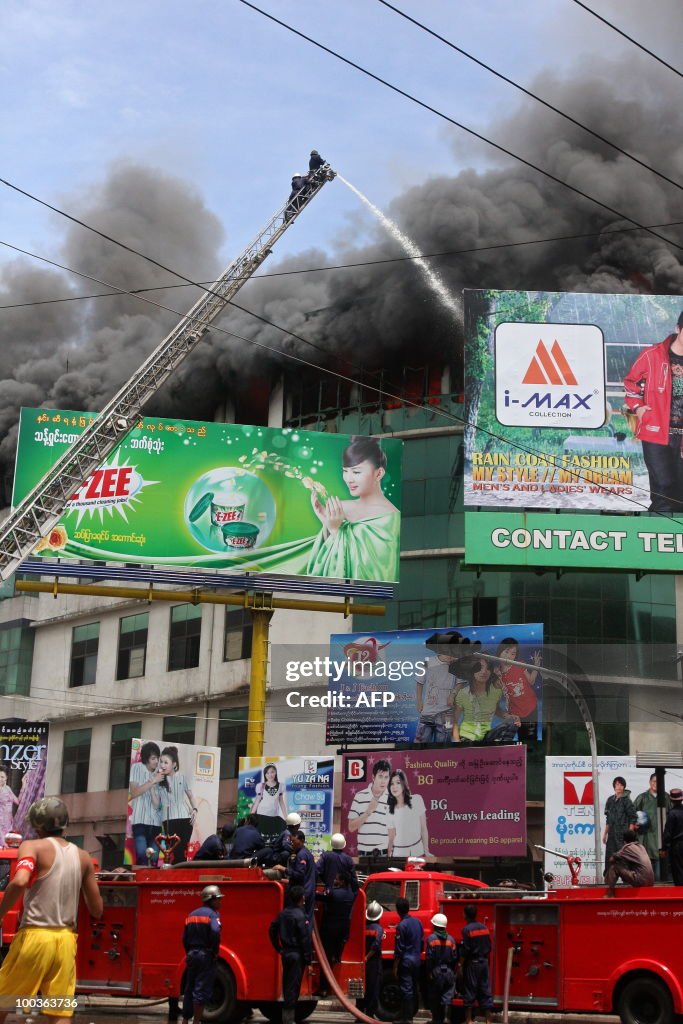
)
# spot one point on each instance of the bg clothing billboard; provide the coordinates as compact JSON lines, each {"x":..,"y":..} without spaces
{"x":224,"y":496}
{"x":442,"y":692}
{"x":23,"y":765}
{"x":436,"y":803}
{"x":272,"y":788}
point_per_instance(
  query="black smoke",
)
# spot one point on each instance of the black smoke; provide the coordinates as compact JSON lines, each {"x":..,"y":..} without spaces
{"x":76,"y":355}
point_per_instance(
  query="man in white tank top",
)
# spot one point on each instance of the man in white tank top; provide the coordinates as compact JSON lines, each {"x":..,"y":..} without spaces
{"x":50,"y":875}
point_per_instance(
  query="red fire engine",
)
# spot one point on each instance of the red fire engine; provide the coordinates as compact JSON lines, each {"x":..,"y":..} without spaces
{"x":136,"y":948}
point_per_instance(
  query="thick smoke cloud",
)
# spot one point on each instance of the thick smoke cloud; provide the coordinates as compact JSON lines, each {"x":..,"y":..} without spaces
{"x":76,"y":355}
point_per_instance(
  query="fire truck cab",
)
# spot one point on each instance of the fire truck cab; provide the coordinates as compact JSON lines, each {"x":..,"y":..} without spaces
{"x":425,"y":891}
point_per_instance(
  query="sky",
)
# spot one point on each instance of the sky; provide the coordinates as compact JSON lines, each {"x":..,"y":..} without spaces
{"x":176,"y":128}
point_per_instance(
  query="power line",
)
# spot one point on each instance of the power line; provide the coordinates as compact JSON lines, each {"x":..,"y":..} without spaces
{"x":532,"y":95}
{"x":343,"y":266}
{"x":630,"y":38}
{"x":438,"y":410}
{"x":458,"y":124}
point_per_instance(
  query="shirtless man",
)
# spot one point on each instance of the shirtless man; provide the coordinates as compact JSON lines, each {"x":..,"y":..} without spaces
{"x":50,"y":875}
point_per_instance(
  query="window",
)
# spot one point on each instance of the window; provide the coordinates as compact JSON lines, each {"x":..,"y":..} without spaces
{"x":76,"y":760}
{"x":119,"y":761}
{"x":484,"y":611}
{"x":84,"y":643}
{"x":179,"y":729}
{"x":232,"y":739}
{"x":186,"y":625}
{"x":78,"y":841}
{"x":237,"y":635}
{"x":112,"y":850}
{"x":132,"y":646}
{"x":16,"y":660}
{"x":385,"y":893}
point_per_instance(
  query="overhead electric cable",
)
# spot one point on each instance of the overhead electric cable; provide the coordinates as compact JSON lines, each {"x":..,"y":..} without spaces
{"x":458,"y":124}
{"x":346,"y":266}
{"x":532,"y":95}
{"x":438,"y":410}
{"x":635,"y":42}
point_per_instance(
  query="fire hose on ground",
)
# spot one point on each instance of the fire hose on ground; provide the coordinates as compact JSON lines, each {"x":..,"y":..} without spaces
{"x":347,"y":1003}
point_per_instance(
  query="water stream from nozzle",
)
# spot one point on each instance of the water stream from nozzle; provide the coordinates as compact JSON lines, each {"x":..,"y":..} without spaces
{"x":411,"y":249}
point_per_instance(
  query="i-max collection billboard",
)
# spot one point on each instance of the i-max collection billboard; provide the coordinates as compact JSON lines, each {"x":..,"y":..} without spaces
{"x":224,"y":496}
{"x":574,"y":402}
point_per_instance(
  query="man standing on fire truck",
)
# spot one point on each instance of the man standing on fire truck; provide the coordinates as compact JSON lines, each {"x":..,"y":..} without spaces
{"x":673,"y":836}
{"x":50,"y":875}
{"x":201,"y":939}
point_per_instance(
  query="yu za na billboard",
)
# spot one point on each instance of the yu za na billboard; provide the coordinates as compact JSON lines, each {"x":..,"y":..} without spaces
{"x":224,"y":496}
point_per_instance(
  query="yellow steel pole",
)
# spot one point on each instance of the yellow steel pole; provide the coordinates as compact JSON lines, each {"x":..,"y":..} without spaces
{"x":260,"y":617}
{"x":196,"y":597}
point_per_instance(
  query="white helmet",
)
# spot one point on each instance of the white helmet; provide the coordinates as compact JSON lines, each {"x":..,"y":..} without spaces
{"x":294,"y":819}
{"x":374,"y":911}
{"x":439,"y":921}
{"x":211,"y":892}
{"x":338,"y":841}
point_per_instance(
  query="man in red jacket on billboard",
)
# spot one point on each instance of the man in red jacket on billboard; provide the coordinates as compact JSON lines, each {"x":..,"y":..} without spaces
{"x":654,"y":392}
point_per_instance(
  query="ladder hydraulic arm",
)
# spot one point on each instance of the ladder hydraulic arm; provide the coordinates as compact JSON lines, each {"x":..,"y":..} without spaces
{"x":35,"y":516}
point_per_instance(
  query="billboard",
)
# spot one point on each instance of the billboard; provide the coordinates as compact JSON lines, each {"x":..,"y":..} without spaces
{"x":271,"y":788}
{"x":553,"y":382}
{"x":569,"y":808}
{"x":435,"y":688}
{"x":224,"y":496}
{"x":172,"y":792}
{"x":23,"y":766}
{"x":436,"y":803}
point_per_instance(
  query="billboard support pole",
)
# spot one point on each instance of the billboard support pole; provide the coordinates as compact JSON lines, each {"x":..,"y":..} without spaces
{"x":260,"y":618}
{"x":571,"y":687}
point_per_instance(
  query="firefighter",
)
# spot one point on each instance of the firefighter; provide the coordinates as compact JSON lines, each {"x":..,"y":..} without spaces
{"x":201,"y":939}
{"x":441,"y":957}
{"x":631,"y":864}
{"x":474,"y":963}
{"x":374,"y":936}
{"x":247,"y":839}
{"x":673,"y":836}
{"x":335,"y":862}
{"x":50,"y":875}
{"x":301,"y":871}
{"x":334,"y":929}
{"x":316,"y":161}
{"x":216,"y":847}
{"x":281,"y":850}
{"x":296,"y":196}
{"x":407,"y":956}
{"x":290,"y":934}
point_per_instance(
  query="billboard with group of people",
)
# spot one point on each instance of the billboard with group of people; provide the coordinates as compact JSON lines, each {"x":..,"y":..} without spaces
{"x":574,"y":402}
{"x":441,"y":689}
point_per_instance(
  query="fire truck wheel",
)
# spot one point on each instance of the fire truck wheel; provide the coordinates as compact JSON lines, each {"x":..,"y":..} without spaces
{"x":389,"y":1007}
{"x":273,"y":1011}
{"x":645,"y":1000}
{"x":223,"y":1007}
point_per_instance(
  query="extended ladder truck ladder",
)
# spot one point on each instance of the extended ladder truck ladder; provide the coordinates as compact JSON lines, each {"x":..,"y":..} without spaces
{"x":43,"y":507}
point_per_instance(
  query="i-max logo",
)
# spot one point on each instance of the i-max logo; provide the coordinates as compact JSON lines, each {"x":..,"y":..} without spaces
{"x":550,"y":375}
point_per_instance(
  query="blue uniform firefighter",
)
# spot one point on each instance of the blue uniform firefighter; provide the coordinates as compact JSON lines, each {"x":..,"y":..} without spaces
{"x":475,"y":950}
{"x":201,"y":939}
{"x":441,"y":960}
{"x":407,"y":956}
{"x":374,"y":936}
{"x":290,"y":934}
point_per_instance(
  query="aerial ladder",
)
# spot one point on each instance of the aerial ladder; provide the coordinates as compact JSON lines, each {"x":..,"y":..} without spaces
{"x":42,"y":508}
